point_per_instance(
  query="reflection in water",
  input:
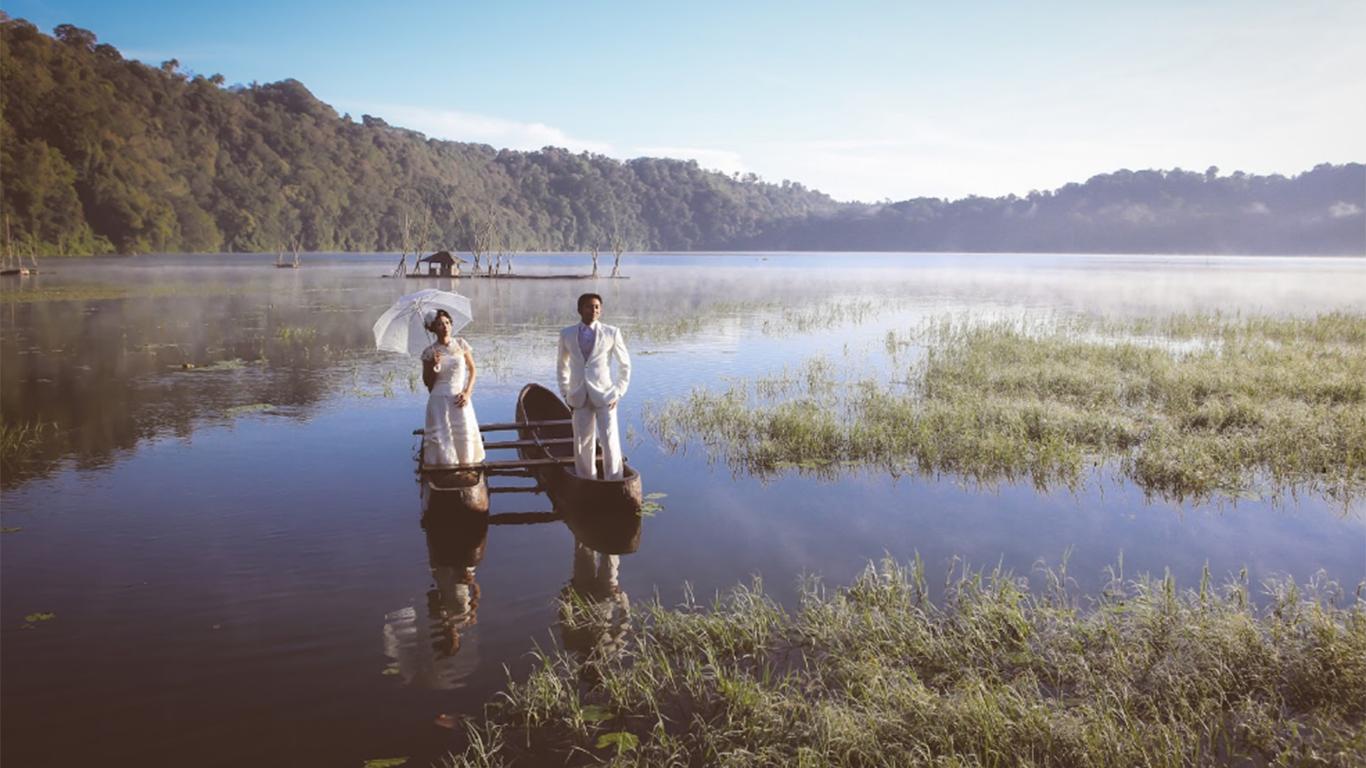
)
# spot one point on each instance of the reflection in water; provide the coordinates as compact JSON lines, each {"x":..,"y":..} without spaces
{"x":594,"y":612}
{"x":140,"y":551}
{"x":441,"y":651}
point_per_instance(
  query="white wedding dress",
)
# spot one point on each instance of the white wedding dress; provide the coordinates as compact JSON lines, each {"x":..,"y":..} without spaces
{"x":451,"y":435}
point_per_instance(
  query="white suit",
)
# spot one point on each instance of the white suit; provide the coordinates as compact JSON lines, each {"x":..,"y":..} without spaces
{"x":587,"y":386}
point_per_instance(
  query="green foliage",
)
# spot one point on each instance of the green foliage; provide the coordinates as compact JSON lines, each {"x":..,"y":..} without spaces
{"x":105,"y":154}
{"x":101,"y":154}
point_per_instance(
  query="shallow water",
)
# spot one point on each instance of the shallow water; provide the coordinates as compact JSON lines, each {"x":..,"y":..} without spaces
{"x":232,"y":551}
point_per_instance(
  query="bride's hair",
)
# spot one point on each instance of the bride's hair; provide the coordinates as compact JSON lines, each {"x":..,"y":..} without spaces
{"x":440,"y":313}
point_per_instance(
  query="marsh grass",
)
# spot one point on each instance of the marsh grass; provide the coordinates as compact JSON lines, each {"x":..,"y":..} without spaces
{"x":1256,"y":406}
{"x":296,"y":335}
{"x":996,"y":673}
{"x":21,"y":441}
{"x":105,"y":292}
{"x":770,"y":317}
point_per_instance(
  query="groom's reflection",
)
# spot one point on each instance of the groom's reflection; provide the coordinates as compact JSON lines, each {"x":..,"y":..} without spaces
{"x":442,"y":651}
{"x":595,"y":614}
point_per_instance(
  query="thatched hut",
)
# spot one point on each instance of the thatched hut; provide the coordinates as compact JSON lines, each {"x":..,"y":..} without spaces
{"x":441,"y":264}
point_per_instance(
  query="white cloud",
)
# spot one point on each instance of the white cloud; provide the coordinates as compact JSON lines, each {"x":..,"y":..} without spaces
{"x":481,"y":129}
{"x":722,"y":160}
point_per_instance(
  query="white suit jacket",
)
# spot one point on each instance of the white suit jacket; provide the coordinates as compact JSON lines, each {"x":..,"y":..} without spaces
{"x":589,"y":380}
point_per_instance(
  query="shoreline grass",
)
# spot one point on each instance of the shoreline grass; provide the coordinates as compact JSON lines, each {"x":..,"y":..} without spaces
{"x":995,"y":673}
{"x":1257,"y":406}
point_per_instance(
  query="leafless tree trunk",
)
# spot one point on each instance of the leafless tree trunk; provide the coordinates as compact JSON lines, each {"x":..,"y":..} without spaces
{"x":593,"y":252}
{"x":480,"y":230}
{"x":618,"y":241}
{"x":618,"y":247}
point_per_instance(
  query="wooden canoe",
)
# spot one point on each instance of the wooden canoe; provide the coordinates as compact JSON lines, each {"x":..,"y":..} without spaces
{"x":604,"y":514}
{"x":448,"y":491}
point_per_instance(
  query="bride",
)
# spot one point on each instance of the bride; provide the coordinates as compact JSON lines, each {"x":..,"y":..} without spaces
{"x":452,"y":434}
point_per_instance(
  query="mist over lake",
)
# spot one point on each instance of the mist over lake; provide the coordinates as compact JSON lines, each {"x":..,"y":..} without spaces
{"x":219,"y":510}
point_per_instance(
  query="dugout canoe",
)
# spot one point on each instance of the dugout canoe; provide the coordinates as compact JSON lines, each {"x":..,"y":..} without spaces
{"x":604,"y":514}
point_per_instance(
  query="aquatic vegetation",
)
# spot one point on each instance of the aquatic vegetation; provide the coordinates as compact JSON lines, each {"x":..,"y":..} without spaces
{"x":651,"y":505}
{"x":827,"y":314}
{"x":231,"y":364}
{"x":247,"y":410}
{"x":64,"y":293}
{"x":293,"y":334}
{"x":106,"y":291}
{"x":18,"y":441}
{"x":33,"y":620}
{"x":1260,"y":405}
{"x":994,"y":673}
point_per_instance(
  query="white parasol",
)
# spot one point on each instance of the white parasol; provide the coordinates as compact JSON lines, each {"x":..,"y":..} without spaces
{"x":402,"y":327}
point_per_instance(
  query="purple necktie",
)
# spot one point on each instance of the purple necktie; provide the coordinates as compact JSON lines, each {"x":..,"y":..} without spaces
{"x":586,"y":337}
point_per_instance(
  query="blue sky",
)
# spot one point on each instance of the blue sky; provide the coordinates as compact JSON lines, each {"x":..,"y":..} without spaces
{"x":864,"y":100}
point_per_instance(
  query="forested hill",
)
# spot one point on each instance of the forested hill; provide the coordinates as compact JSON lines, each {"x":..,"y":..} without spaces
{"x":98,"y":153}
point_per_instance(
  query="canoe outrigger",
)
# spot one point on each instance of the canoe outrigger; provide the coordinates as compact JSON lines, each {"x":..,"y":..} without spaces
{"x":604,"y":514}
{"x":453,"y":489}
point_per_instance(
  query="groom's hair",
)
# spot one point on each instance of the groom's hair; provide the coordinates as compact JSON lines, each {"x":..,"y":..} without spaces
{"x":585,"y":297}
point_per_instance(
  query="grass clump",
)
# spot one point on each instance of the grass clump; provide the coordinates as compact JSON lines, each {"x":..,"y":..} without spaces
{"x":294,"y":334}
{"x":20,"y":441}
{"x":1257,"y":406}
{"x":993,"y":674}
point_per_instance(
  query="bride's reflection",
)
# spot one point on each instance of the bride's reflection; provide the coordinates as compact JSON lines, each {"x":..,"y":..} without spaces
{"x":442,"y":650}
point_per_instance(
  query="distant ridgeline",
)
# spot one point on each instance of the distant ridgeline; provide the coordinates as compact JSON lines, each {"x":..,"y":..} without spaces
{"x":100,"y":154}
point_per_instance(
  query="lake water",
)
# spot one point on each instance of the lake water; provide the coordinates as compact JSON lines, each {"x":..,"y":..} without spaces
{"x":231,"y":552}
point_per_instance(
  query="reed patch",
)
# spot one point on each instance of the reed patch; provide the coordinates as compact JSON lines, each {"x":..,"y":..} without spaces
{"x":1186,"y":407}
{"x":995,"y":673}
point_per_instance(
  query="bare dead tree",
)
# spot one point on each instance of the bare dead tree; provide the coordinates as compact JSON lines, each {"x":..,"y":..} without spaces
{"x":405,"y":233}
{"x":618,"y":240}
{"x":593,"y":253}
{"x":423,"y":237}
{"x":480,"y":227}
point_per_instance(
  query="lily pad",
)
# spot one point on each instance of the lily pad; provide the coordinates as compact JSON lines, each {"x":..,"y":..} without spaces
{"x":385,"y":762}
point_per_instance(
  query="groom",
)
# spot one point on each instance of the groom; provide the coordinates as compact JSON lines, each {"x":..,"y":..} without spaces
{"x":586,"y":384}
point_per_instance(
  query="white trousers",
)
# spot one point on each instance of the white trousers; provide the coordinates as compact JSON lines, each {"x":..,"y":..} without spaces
{"x":589,"y":424}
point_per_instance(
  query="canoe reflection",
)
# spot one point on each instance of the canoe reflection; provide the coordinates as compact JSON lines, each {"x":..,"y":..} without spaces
{"x":441,"y":650}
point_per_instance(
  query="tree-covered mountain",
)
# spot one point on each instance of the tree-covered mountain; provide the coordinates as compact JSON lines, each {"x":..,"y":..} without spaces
{"x":99,"y":153}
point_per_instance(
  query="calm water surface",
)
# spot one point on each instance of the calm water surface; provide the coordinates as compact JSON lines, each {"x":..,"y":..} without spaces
{"x":232,"y":553}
